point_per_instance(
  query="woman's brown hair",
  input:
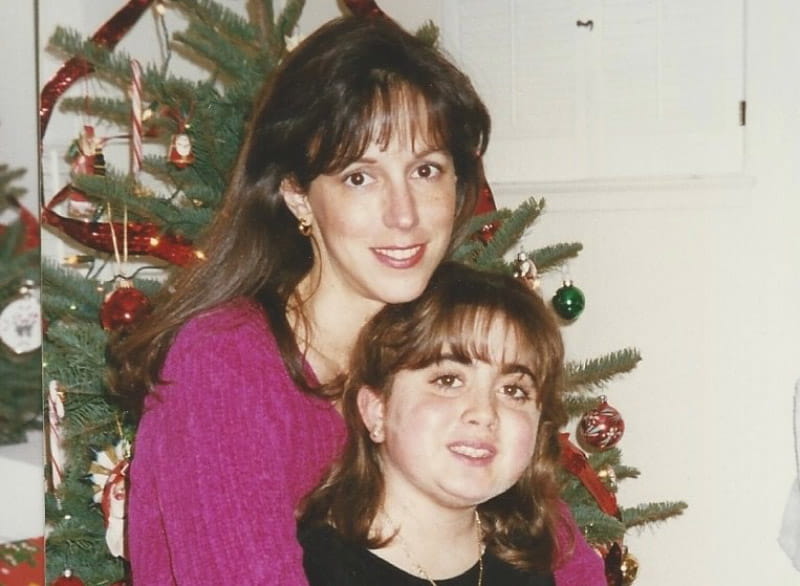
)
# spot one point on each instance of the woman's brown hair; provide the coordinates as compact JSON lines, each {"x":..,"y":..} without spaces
{"x":347,"y":85}
{"x":454,"y":313}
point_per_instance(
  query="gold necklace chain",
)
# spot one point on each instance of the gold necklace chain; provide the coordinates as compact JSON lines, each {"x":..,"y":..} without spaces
{"x":420,"y":570}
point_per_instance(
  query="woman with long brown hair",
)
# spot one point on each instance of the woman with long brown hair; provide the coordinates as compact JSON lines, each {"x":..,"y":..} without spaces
{"x":360,"y":169}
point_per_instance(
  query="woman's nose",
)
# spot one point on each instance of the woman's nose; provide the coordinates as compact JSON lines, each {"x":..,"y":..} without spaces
{"x":401,"y":207}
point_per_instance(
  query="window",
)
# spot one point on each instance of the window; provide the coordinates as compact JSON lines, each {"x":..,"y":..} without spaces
{"x":605,"y":88}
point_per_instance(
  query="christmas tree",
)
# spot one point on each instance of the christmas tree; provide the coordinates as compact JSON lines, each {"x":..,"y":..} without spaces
{"x":158,"y":207}
{"x":20,"y":357}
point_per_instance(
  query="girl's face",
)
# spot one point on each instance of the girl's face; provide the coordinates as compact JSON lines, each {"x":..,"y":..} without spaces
{"x":383,"y":223}
{"x":456,"y":434}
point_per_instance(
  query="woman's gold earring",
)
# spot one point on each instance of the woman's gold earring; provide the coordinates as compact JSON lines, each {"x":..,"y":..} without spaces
{"x":304,"y":226}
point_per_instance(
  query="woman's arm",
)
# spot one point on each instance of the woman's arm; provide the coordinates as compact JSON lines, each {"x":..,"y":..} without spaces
{"x":220,"y":460}
{"x":580,"y":564}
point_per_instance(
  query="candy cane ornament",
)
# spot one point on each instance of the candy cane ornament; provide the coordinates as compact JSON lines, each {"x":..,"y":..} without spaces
{"x":136,"y":119}
{"x":55,"y":414}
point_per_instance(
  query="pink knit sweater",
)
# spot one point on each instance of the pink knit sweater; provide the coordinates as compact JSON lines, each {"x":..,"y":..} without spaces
{"x":224,"y":452}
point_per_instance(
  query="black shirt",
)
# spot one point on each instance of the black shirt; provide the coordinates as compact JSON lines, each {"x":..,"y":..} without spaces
{"x":330,"y":561}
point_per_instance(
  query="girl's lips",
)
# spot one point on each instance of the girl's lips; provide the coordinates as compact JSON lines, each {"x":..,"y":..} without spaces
{"x":478,"y":451}
{"x":400,"y":257}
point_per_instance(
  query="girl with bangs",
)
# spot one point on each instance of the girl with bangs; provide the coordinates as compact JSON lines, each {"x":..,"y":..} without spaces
{"x":359,"y":171}
{"x":448,"y":477}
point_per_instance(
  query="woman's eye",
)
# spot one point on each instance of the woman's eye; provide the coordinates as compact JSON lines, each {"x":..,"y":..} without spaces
{"x":357,"y":179}
{"x":427,"y":171}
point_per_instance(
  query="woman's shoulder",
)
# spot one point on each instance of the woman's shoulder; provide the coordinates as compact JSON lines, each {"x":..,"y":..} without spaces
{"x":237,"y":323}
{"x":223,"y":334}
{"x":237,"y":314}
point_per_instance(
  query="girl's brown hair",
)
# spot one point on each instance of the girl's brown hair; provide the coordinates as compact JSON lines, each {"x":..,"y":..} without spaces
{"x":455,"y":312}
{"x":351,"y":82}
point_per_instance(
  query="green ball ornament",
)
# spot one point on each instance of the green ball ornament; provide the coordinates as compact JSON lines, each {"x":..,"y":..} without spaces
{"x":569,"y":301}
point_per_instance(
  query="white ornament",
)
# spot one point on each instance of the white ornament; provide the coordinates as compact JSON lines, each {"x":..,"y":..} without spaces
{"x":109,"y":472}
{"x":21,"y":322}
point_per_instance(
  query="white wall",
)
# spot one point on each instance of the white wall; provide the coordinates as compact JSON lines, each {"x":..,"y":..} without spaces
{"x":21,"y":504}
{"x":18,"y":88}
{"x":705,"y":283}
{"x":701,"y":278}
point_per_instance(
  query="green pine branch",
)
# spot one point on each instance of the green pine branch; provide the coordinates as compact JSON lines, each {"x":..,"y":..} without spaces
{"x":612,"y":458}
{"x":594,"y":373}
{"x":230,"y":27}
{"x":551,"y":257}
{"x":428,"y":33}
{"x":68,"y":298}
{"x":114,"y":110}
{"x":649,"y":513}
{"x":229,"y":60}
{"x":510,"y":231}
{"x":263,"y":16}
{"x":118,"y":189}
{"x":8,"y":190}
{"x":112,"y":66}
{"x":287,"y":20}
{"x":597,"y":526}
{"x":20,"y":375}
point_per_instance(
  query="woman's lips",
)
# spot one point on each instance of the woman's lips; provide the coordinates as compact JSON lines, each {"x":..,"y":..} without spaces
{"x":400,"y":257}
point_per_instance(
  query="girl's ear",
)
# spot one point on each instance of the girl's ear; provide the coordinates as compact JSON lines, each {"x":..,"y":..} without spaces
{"x":296,"y":200}
{"x":372,"y":409}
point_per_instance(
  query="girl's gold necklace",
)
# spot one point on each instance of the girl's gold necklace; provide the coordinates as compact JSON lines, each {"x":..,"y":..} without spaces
{"x":421,"y":571}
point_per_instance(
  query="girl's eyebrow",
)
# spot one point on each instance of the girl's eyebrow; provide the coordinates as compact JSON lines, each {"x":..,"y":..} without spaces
{"x":510,"y":368}
{"x":516,"y":368}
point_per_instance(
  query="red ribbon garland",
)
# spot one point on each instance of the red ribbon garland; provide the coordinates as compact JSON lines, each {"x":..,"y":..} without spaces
{"x":575,"y":462}
{"x":106,"y":36}
{"x":144,"y":238}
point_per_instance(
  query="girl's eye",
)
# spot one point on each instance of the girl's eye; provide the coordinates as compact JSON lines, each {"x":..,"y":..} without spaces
{"x":516,"y":392}
{"x":447,"y":381}
{"x":357,"y":179}
{"x":427,"y":171}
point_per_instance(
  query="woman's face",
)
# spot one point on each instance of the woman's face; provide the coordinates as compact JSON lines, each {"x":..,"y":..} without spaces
{"x":384,"y":222}
{"x":456,"y":433}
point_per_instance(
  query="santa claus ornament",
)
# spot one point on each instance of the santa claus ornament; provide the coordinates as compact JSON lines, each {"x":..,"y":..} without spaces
{"x":109,"y":472}
{"x":180,"y":150}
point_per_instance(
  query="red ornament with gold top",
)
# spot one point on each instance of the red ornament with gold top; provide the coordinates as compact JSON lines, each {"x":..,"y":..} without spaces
{"x":601,"y":428}
{"x":123,"y":307}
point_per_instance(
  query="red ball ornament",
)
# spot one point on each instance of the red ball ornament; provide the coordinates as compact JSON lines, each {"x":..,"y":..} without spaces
{"x":364,"y":8}
{"x":67,"y":579}
{"x":601,"y":428}
{"x":123,"y":307}
{"x":485,"y":205}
